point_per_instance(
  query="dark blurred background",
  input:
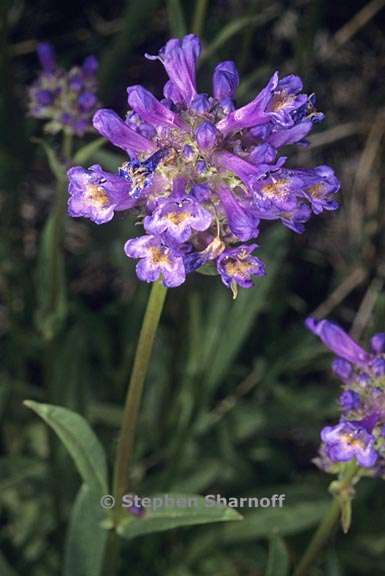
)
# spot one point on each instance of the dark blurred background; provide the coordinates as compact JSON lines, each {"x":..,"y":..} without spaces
{"x":237,"y":392}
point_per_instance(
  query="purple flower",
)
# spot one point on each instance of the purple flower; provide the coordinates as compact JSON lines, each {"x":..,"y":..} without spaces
{"x":65,"y":100}
{"x":120,"y":134}
{"x":319,"y":185}
{"x":280,"y":190}
{"x":203,"y":173}
{"x":46,"y":55}
{"x":96,"y":194}
{"x":242,"y":222}
{"x":157,"y":260}
{"x":179,"y":58}
{"x":348,"y":440}
{"x":178,"y":219}
{"x":237,"y":266}
{"x":342,"y":368}
{"x":362,"y":402}
{"x":377,"y":343}
{"x":225,"y":80}
{"x":206,"y":135}
{"x":378,"y":367}
{"x":349,"y":400}
{"x":338,"y":341}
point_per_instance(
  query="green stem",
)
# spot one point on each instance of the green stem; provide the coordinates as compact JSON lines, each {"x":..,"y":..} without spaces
{"x":139,"y":371}
{"x":50,"y":339}
{"x":130,"y":416}
{"x":319,"y":538}
{"x":67,"y":146}
{"x":342,"y":490}
{"x":199,"y":16}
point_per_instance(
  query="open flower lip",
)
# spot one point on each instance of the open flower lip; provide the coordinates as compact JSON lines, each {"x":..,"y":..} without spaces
{"x":202,"y":172}
{"x":359,"y":434}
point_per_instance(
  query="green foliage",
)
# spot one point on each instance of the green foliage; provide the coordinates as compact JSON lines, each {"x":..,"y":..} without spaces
{"x":238,"y":390}
{"x":278,"y":562}
{"x":50,"y":280}
{"x":86,"y":538}
{"x":80,"y":441}
{"x":169,"y":517}
{"x":87,"y":152}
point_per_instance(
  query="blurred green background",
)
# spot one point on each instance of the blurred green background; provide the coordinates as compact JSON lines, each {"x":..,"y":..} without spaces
{"x":237,"y":392}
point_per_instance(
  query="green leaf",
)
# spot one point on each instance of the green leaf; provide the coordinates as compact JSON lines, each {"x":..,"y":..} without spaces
{"x":194,"y":511}
{"x":86,"y":152}
{"x":50,"y":279}
{"x":278,"y":562}
{"x":235,"y":27}
{"x":236,"y":318}
{"x":85,"y":539}
{"x":57,"y":167}
{"x":109,"y":160}
{"x":265,"y":522}
{"x":80,"y":441}
{"x":176,"y":18}
{"x":208,"y":270}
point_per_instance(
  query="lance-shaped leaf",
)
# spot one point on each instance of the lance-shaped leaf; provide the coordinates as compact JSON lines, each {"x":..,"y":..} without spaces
{"x":80,"y":441}
{"x":86,"y":539}
{"x":50,"y":280}
{"x":186,"y":510}
{"x":278,"y":562}
{"x":87,"y":152}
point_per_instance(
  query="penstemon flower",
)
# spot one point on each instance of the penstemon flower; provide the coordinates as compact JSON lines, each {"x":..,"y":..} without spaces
{"x":360,"y":434}
{"x":66,"y":100}
{"x":202,"y":174}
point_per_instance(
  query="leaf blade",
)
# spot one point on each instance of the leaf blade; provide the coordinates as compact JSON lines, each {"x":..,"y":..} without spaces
{"x":80,"y":441}
{"x":85,"y":539}
{"x":278,"y":561}
{"x":197,"y":512}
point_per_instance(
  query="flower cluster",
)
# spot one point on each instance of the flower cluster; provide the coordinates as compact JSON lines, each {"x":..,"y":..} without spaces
{"x":67,"y":100}
{"x":360,"y":434}
{"x":201,"y":174}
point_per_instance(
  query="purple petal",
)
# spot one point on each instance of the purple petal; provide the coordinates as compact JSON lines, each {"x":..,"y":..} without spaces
{"x":338,"y":341}
{"x":206,"y":135}
{"x":179,"y":58}
{"x":138,"y":247}
{"x":377,"y":343}
{"x":90,"y":66}
{"x":150,"y":109}
{"x":253,"y":113}
{"x":225,"y":80}
{"x":46,"y":55}
{"x":108,"y":123}
{"x":242,"y":222}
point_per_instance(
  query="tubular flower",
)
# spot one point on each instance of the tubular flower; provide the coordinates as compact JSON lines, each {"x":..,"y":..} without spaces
{"x":359,"y":436}
{"x":66,"y":100}
{"x":201,"y":173}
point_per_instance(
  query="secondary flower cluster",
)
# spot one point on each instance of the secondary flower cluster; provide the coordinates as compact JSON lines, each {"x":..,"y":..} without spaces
{"x":201,"y":174}
{"x":67,"y":100}
{"x":360,"y":433}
